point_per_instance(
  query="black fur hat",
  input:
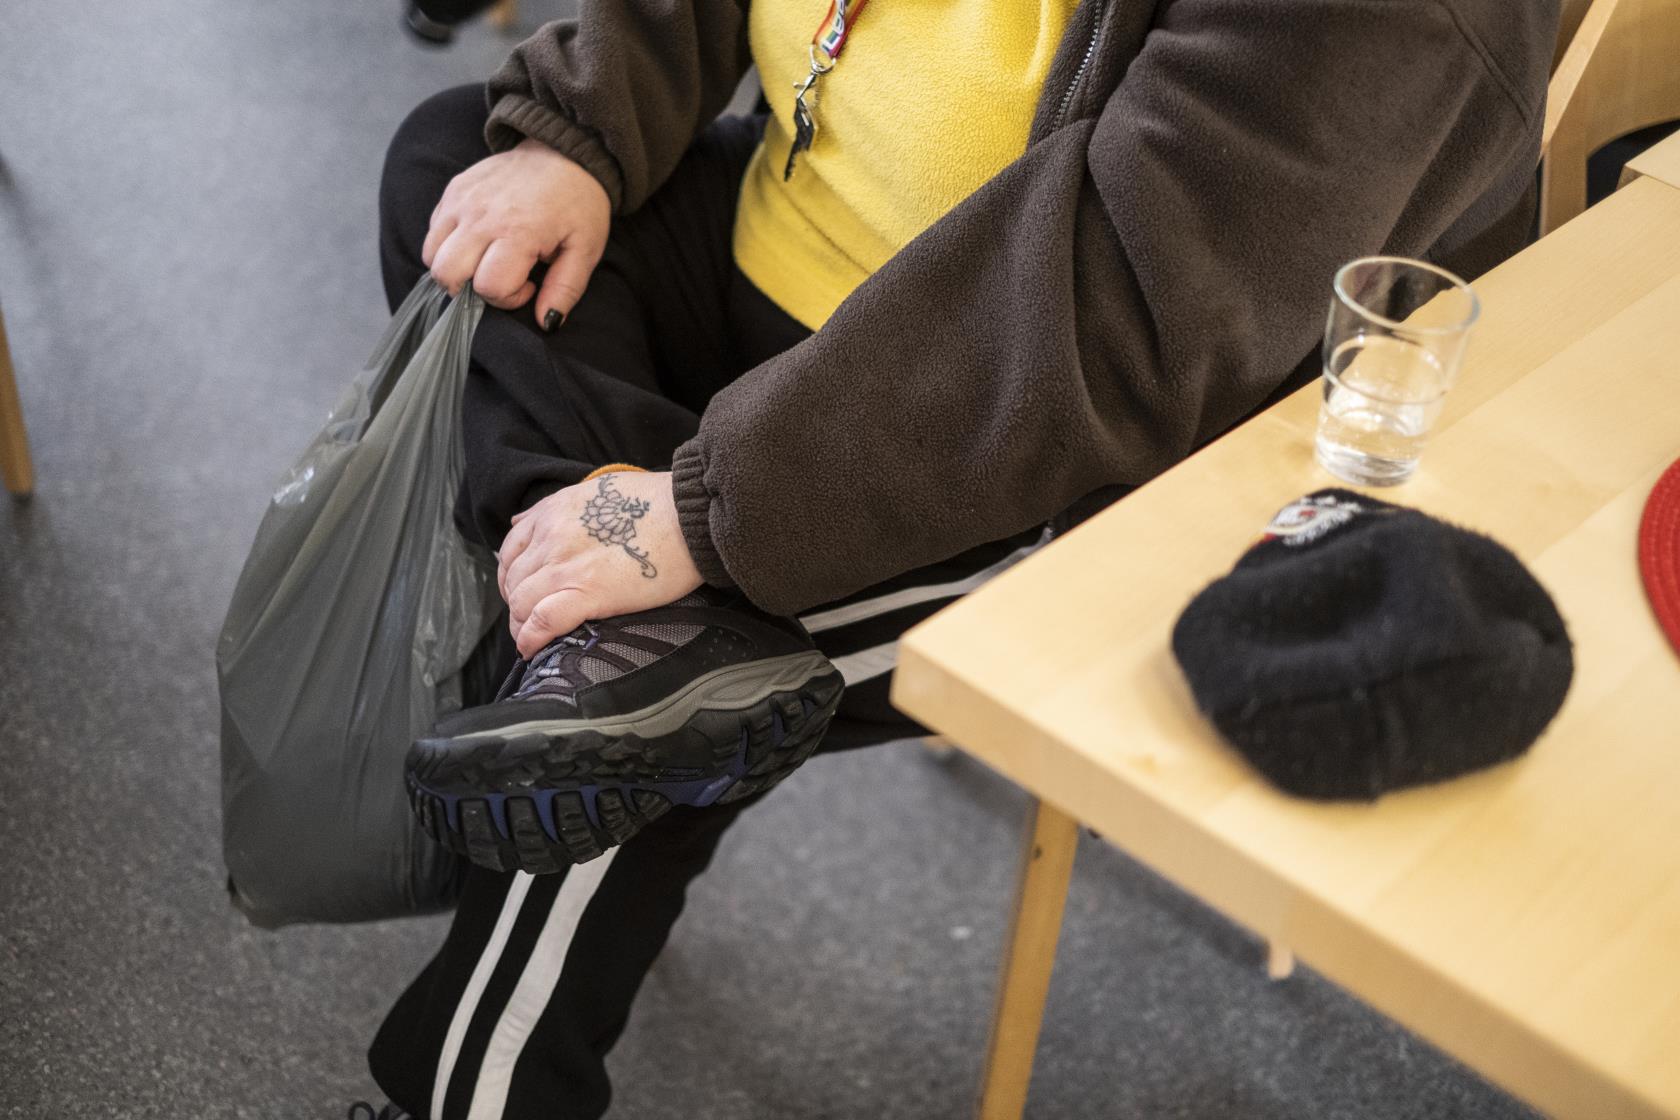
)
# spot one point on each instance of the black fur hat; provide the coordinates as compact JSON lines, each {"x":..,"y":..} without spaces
{"x":1361,"y":647}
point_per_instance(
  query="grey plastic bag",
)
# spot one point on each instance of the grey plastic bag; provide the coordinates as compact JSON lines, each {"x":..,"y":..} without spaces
{"x":349,"y":628}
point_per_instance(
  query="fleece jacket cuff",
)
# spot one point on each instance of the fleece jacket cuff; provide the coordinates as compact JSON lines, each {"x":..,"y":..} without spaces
{"x":694,"y":514}
{"x":514,"y":118}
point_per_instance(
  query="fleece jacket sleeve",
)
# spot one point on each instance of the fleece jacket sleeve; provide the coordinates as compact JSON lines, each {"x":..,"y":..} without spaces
{"x":624,"y":88}
{"x":1134,"y":284}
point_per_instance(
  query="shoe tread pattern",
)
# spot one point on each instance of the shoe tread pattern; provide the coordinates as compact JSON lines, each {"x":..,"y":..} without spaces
{"x":778,"y":734}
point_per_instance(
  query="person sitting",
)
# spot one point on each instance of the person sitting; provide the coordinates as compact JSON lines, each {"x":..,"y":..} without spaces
{"x":760,"y":392}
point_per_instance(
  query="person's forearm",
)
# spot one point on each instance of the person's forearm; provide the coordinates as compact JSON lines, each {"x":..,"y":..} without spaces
{"x":624,"y":88}
{"x":1126,"y":290}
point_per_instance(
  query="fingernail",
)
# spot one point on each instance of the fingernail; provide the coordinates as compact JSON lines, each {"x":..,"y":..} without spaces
{"x":552,"y":319}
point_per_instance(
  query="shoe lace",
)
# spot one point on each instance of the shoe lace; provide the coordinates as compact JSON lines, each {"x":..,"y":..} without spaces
{"x":576,"y":640}
{"x":583,"y":638}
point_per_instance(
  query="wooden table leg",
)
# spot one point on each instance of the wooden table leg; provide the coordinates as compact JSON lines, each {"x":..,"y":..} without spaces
{"x":1280,"y":960}
{"x":1028,"y":957}
{"x":15,"y":467}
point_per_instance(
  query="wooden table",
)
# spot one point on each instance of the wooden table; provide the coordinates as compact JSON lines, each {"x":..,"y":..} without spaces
{"x":1660,"y":161}
{"x":1525,"y":919}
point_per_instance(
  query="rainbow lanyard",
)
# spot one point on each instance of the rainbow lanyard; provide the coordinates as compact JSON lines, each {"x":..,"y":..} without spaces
{"x":826,"y":45}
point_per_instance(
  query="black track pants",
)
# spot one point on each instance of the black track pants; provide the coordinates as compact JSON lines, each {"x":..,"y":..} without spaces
{"x":514,"y":1016}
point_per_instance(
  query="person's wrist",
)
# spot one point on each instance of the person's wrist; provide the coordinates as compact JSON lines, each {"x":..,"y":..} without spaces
{"x":687,"y":571}
{"x":536,"y":148}
{"x":516,"y":117}
{"x":694,"y":511}
{"x":570,"y":171}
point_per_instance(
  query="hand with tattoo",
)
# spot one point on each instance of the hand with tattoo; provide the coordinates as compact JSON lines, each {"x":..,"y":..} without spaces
{"x":611,"y":519}
{"x":605,"y":547}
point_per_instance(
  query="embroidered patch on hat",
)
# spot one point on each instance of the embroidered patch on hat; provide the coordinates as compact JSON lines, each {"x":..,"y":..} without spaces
{"x":1307,"y":519}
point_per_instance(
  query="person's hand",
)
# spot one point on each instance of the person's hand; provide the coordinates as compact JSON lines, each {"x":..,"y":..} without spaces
{"x":502,"y":215}
{"x":605,"y":547}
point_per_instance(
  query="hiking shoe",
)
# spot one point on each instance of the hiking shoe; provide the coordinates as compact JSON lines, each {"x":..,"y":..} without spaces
{"x":705,"y":701}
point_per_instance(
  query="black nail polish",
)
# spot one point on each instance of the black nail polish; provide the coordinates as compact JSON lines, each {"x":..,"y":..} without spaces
{"x":552,"y":319}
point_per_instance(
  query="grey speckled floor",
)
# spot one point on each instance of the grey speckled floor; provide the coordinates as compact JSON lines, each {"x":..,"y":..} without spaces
{"x":187,"y":272}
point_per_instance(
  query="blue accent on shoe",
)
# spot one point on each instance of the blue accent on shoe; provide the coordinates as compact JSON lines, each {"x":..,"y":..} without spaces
{"x":701,"y":792}
{"x":698,"y":792}
{"x":588,"y":794}
{"x":714,"y":790}
{"x":545,"y":812}
{"x":498,"y":814}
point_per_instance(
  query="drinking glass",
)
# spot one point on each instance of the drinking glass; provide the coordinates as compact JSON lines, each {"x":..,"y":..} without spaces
{"x":1392,"y":348}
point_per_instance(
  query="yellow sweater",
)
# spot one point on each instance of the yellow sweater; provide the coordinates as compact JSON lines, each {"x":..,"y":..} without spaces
{"x":929,"y":99}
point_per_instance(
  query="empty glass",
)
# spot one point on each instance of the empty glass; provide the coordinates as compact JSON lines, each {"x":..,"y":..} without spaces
{"x":1392,"y":348}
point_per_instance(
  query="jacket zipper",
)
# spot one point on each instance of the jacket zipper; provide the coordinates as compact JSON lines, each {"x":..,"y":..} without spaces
{"x":1084,"y":65}
{"x":1057,"y":525}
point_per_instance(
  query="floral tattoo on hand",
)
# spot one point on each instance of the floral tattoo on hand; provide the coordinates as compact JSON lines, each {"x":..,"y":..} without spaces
{"x":611,"y":518}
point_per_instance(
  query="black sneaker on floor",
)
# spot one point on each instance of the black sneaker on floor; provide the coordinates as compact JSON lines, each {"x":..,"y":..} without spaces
{"x":707,"y":700}
{"x":426,"y":31}
{"x":361,"y":1110}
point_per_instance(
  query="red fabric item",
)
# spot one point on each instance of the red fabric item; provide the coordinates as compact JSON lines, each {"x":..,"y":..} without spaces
{"x":1659,"y":551}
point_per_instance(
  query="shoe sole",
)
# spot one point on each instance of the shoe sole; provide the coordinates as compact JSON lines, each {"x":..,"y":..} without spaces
{"x":540,"y":795}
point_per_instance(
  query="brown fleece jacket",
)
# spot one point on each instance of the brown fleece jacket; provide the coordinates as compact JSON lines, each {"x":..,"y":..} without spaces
{"x":1149,"y":271}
